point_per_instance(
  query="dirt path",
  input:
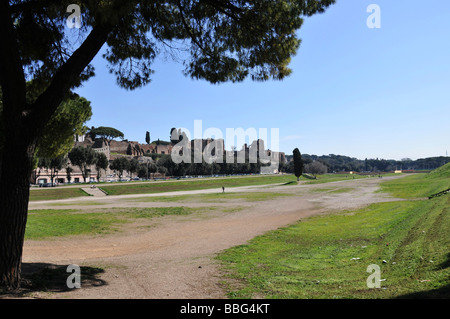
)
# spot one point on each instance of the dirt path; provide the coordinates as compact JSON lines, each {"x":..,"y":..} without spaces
{"x":175,"y":257}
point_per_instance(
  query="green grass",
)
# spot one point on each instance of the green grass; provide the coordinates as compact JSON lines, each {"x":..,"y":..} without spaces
{"x":327,"y":256}
{"x":43,"y":224}
{"x":327,"y":178}
{"x":56,"y":193}
{"x":338,"y":190}
{"x":214,"y":197}
{"x":197,"y":184}
{"x":78,"y":203}
{"x":315,"y":258}
{"x":184,"y":185}
{"x":176,"y":198}
{"x":419,"y":185}
{"x":162,"y":186}
{"x":247,"y":196}
{"x":152,"y":212}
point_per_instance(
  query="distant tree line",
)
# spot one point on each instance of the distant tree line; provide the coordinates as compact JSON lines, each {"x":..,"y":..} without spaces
{"x":86,"y":158}
{"x":204,"y":168}
{"x":340,"y":163}
{"x":83,"y":158}
{"x":165,"y":165}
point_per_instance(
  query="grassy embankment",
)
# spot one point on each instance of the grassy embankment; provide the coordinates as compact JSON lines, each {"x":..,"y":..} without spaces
{"x":160,"y":186}
{"x":182,"y":185}
{"x":327,"y":256}
{"x":196,"y":184}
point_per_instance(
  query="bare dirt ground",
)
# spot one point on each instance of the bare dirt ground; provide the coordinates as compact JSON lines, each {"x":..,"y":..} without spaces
{"x":174,"y":258}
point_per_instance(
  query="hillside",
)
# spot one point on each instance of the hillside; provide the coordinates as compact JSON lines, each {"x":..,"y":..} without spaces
{"x":325,"y":256}
{"x":441,"y":172}
{"x":420,"y":185}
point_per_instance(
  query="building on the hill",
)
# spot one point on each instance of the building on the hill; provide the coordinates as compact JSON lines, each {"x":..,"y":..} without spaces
{"x":131,"y":149}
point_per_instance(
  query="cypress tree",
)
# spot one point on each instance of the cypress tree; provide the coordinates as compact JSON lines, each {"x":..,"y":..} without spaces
{"x":298,"y":164}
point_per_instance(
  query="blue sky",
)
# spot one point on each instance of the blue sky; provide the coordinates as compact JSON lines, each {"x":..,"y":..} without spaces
{"x":355,"y":91}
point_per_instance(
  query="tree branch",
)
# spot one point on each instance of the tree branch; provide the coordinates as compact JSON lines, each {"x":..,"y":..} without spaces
{"x":221,"y":7}
{"x":67,"y":75}
{"x":190,"y":32}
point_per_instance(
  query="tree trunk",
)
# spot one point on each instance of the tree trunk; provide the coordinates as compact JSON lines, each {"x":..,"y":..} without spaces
{"x":52,"y":177}
{"x":84,"y":173}
{"x":22,"y":125}
{"x":16,"y":166}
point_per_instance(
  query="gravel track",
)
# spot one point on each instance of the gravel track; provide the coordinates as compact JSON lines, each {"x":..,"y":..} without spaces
{"x":174,"y":258}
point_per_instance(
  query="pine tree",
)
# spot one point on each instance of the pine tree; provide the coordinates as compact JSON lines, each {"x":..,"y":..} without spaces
{"x":228,"y":41}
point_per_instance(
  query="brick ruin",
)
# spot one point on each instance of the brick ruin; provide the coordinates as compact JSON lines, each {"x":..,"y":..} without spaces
{"x":131,"y":149}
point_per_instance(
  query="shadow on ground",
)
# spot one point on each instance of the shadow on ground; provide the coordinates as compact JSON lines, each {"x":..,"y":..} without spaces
{"x":446,"y":263}
{"x":51,"y":278}
{"x":440,"y":293}
{"x":290,"y":183}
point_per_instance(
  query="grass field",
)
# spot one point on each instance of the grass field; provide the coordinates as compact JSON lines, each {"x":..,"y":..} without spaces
{"x":163,"y":186}
{"x":327,"y":256}
{"x":185,"y":185}
{"x":56,"y":193}
{"x":44,"y":224}
{"x":214,"y":197}
{"x":419,"y":185}
{"x":327,"y":178}
{"x":334,"y":190}
{"x":195,"y":184}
